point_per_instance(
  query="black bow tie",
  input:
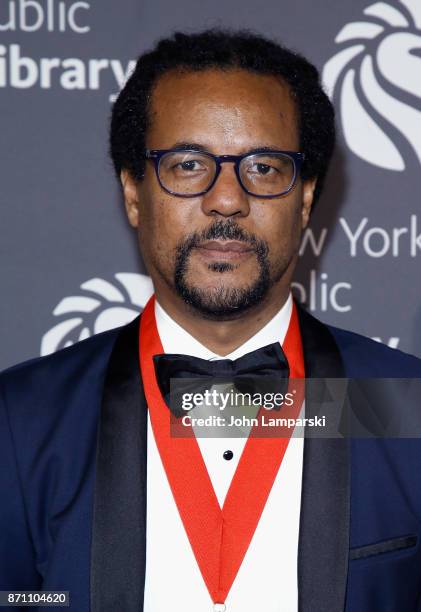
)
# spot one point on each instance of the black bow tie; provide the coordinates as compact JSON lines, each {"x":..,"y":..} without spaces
{"x":259,"y":371}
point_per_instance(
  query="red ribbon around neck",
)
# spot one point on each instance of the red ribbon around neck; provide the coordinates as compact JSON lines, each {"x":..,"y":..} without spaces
{"x":219,"y":537}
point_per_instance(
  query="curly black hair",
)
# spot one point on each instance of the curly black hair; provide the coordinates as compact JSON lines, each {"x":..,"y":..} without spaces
{"x":223,"y":49}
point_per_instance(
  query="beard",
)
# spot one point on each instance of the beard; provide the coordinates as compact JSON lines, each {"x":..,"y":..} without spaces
{"x":221,"y":302}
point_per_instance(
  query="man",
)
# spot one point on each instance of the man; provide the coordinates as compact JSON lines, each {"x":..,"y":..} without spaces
{"x":222,"y":143}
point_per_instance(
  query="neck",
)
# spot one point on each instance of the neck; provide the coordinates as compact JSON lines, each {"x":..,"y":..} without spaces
{"x":223,"y":336}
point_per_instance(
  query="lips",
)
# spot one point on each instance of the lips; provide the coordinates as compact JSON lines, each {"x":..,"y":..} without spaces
{"x":224,"y":251}
{"x":226,"y":246}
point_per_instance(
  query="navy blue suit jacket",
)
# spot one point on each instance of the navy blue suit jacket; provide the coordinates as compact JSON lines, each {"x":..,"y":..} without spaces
{"x":73,"y":482}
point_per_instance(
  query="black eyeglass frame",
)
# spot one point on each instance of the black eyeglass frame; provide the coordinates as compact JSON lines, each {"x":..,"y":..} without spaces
{"x":156,"y":155}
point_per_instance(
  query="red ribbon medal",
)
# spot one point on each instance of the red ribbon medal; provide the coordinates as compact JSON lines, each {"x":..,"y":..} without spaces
{"x":219,"y":537}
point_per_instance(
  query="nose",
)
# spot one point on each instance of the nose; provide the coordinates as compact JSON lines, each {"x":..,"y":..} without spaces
{"x":226,"y":198}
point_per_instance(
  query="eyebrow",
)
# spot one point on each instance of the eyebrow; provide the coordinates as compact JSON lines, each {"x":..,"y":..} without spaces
{"x":183,"y":146}
{"x":194,"y":146}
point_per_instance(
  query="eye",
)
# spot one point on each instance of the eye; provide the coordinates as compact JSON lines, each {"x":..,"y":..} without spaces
{"x":189,"y":165}
{"x":262,"y":169}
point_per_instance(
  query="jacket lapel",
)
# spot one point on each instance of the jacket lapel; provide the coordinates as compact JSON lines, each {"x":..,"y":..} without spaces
{"x":118,"y":551}
{"x":325,"y":500}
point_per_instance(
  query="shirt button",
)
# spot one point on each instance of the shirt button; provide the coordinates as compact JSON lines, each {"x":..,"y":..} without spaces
{"x":228,"y":455}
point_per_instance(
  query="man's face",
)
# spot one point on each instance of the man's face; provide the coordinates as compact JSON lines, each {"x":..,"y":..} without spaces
{"x":225,"y":251}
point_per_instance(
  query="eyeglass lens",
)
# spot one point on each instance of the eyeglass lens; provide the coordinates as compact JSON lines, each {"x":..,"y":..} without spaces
{"x":189,"y":172}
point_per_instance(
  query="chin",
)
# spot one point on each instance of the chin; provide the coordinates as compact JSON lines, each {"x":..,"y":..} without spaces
{"x":225,"y":301}
{"x":222,"y":290}
{"x":222,"y":276}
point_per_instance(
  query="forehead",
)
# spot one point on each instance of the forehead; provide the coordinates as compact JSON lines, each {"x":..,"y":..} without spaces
{"x":230,"y":108}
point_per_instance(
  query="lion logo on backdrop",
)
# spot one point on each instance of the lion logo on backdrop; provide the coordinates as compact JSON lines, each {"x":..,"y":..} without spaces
{"x":375,"y":78}
{"x":99,"y":306}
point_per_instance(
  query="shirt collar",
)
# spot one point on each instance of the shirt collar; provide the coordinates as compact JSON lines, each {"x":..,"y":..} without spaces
{"x":175,"y":339}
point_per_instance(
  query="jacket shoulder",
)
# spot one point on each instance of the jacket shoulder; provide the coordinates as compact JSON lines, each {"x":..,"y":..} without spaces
{"x":362,"y":354}
{"x":49,"y":410}
{"x":66,"y":359}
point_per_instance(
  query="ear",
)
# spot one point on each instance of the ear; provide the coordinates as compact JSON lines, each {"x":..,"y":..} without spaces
{"x":308,"y":195}
{"x":131,"y":198}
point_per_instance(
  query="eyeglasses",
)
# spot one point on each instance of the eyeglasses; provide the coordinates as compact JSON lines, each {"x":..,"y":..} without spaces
{"x":190,"y":173}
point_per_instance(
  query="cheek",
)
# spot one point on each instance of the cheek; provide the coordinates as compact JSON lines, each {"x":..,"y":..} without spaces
{"x":163,"y":222}
{"x":281,"y":229}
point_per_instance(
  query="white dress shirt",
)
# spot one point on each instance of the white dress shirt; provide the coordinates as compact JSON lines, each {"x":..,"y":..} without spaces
{"x":267,"y":579}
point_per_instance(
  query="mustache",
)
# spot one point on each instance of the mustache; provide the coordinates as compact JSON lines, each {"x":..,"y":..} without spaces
{"x":223,"y":230}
